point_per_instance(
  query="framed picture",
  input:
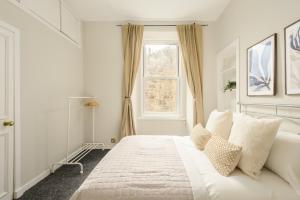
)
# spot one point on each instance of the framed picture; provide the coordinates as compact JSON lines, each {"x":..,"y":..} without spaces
{"x":262,"y":67}
{"x":292,"y":58}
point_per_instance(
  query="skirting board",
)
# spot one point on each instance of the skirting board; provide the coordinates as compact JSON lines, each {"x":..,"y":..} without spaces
{"x":20,"y":191}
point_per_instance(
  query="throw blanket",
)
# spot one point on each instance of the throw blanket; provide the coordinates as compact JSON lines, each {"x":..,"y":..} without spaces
{"x":138,"y":168}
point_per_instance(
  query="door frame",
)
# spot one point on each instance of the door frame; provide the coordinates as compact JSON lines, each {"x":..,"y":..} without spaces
{"x":17,"y":106}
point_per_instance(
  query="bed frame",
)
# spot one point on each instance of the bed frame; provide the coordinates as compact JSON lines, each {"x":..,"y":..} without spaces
{"x":244,"y":108}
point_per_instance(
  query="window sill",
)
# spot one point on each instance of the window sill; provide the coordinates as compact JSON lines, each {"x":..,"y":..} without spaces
{"x":162,"y":118}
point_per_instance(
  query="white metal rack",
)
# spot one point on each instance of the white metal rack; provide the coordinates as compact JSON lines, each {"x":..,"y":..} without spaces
{"x":87,"y":147}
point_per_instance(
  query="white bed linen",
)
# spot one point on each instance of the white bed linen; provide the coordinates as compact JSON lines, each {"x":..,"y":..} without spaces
{"x":170,"y":167}
{"x":208,"y":184}
{"x":138,"y":168}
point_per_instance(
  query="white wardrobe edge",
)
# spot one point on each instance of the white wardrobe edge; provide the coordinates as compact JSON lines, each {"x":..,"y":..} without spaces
{"x":19,"y":5}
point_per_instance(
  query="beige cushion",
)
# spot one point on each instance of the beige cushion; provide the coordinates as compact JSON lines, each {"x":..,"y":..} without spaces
{"x":223,"y":155}
{"x":284,"y":158}
{"x":256,"y":137}
{"x":220,"y":123}
{"x":200,"y":136}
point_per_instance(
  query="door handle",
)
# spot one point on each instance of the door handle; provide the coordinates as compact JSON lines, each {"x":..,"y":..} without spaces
{"x":8,"y":123}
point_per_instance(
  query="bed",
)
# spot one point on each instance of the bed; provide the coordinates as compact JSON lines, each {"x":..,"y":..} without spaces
{"x":171,"y":168}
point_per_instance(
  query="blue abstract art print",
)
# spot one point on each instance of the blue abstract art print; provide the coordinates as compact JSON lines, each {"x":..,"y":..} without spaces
{"x":292,"y":58}
{"x":261,"y":67}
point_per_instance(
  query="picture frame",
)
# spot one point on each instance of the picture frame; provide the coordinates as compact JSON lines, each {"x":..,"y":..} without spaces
{"x":292,"y":58}
{"x":261,"y":67}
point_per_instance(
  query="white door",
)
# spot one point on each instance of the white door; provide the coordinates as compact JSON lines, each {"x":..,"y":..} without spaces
{"x":6,"y":112}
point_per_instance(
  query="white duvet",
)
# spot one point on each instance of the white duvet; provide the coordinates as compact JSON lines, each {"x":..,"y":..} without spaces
{"x":170,"y":167}
{"x":138,"y":168}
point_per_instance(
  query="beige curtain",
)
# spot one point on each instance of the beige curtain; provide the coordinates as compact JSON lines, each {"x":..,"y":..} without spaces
{"x":132,"y":36}
{"x":190,"y":37}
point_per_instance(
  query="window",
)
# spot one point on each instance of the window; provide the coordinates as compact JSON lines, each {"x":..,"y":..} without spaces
{"x":161,"y":78}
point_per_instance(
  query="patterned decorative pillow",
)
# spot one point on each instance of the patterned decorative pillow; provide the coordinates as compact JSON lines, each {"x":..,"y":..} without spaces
{"x":200,"y":136}
{"x":223,"y":155}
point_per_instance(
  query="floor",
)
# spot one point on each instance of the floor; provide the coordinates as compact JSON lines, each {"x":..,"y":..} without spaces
{"x":64,"y":182}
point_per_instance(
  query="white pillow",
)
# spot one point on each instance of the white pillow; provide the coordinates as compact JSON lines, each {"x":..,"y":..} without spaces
{"x":284,"y":158}
{"x":220,"y":123}
{"x":236,"y":115}
{"x":200,"y":136}
{"x":256,"y":137}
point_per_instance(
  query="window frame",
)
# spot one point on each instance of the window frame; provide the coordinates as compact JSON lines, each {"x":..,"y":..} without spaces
{"x":159,"y":115}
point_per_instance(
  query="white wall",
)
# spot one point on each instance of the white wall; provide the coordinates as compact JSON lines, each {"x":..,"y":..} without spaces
{"x":209,"y":82}
{"x":51,"y":70}
{"x":104,"y":78}
{"x":252,"y":21}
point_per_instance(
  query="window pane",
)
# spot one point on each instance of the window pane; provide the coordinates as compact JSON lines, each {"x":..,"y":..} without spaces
{"x":160,"y":60}
{"x":160,"y":95}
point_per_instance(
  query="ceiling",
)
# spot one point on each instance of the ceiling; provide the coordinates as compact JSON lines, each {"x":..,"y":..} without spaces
{"x":148,"y":10}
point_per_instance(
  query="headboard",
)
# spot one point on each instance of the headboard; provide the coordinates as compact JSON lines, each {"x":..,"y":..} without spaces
{"x":288,"y":112}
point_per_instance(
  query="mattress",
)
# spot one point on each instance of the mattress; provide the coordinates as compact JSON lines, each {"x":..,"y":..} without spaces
{"x":170,"y":167}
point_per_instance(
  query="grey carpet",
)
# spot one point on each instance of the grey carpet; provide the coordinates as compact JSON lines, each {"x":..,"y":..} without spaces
{"x":65,"y":181}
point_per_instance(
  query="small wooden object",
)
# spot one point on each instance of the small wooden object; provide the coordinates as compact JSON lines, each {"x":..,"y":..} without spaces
{"x":91,"y":103}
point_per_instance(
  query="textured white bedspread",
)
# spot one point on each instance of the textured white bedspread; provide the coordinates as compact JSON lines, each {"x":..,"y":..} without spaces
{"x":138,"y":168}
{"x":171,"y":168}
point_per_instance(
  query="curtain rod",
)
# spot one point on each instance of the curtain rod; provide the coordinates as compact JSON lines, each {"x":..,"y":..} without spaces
{"x":161,"y":25}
